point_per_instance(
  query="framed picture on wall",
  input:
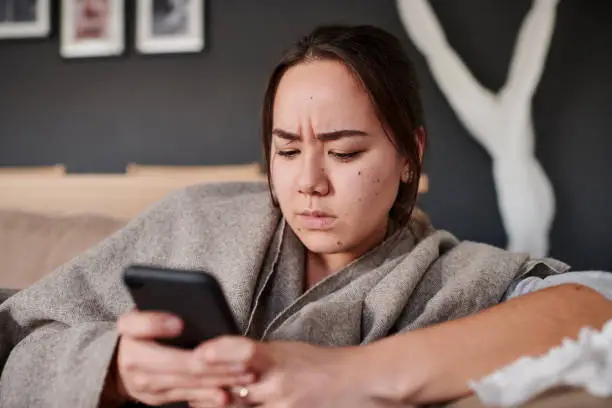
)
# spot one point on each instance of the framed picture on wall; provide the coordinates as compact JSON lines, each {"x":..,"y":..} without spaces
{"x":169,"y":26}
{"x":92,"y":28}
{"x":24,"y":18}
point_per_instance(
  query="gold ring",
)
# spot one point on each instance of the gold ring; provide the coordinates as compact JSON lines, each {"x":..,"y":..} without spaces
{"x":239,"y":392}
{"x":243,"y":392}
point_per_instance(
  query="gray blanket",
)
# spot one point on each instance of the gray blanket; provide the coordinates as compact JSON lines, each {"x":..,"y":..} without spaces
{"x":57,"y":337}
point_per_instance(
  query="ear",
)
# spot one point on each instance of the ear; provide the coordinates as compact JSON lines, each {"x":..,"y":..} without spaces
{"x":405,"y":174}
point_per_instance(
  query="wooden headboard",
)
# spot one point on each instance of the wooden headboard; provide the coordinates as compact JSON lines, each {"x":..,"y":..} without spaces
{"x":116,"y":195}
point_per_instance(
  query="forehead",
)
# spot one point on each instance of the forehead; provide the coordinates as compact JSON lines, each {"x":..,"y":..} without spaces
{"x":325,"y":93}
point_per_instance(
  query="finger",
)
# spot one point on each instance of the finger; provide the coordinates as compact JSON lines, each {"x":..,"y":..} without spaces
{"x":199,"y":404}
{"x":150,"y":357}
{"x":233,"y":350}
{"x":149,"y":325}
{"x":143,"y":383}
{"x":144,"y":356}
{"x":228,"y":380}
{"x":226,"y":401}
{"x":212,"y":397}
{"x":258,"y":393}
{"x":207,"y":397}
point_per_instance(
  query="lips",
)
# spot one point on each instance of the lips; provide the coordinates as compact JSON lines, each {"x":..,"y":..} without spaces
{"x":315,"y":220}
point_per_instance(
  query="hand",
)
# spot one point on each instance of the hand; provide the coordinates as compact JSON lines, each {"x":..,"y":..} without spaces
{"x":300,"y":375}
{"x":156,"y":374}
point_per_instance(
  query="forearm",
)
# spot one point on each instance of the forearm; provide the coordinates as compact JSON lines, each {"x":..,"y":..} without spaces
{"x":436,"y":363}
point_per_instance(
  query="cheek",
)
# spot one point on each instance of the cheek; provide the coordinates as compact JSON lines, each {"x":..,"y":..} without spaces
{"x":370,"y":189}
{"x":282,"y":179}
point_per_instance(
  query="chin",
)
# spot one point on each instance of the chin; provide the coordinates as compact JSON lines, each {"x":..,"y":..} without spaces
{"x":321,"y":242}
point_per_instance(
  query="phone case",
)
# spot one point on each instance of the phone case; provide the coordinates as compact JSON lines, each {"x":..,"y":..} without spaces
{"x":194,"y":296}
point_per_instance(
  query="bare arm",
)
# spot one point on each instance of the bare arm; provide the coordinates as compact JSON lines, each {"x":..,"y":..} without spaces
{"x":436,"y":363}
{"x":415,"y":368}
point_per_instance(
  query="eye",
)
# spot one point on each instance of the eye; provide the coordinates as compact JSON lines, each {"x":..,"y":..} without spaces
{"x":345,"y":156}
{"x":290,"y":154}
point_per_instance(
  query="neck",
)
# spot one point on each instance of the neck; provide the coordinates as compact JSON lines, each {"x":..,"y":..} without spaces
{"x":321,"y":265}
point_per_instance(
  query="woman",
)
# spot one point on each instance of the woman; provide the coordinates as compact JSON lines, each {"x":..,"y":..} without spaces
{"x":340,"y":262}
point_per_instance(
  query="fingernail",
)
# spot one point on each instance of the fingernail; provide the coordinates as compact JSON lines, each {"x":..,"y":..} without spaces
{"x":172,"y":323}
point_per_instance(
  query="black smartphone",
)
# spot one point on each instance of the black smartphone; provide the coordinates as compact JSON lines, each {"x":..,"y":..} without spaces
{"x":194,"y":296}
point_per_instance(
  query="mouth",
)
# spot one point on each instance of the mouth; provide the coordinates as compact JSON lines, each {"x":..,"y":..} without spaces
{"x":315,"y":220}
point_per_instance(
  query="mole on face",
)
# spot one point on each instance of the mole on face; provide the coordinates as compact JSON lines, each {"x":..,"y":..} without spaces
{"x":359,"y":173}
{"x":338,"y":243}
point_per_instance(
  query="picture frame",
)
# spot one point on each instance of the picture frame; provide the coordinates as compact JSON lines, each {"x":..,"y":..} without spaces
{"x":24,"y":18}
{"x":169,"y":26}
{"x":92,"y":28}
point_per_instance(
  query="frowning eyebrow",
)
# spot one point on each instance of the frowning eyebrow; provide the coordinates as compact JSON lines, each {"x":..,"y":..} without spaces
{"x":324,"y":137}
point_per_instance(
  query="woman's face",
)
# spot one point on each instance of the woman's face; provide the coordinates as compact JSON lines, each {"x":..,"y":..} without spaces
{"x":334,"y":171}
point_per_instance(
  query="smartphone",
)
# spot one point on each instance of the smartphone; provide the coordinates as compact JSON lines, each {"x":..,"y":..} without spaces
{"x":194,"y":296}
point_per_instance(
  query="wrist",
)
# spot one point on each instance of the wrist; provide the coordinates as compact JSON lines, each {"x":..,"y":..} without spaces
{"x":396,"y":369}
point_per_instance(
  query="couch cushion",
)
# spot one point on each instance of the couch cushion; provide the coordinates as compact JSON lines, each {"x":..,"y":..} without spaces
{"x":32,"y":245}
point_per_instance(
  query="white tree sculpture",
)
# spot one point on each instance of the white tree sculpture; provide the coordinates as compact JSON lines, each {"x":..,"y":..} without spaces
{"x":501,"y":122}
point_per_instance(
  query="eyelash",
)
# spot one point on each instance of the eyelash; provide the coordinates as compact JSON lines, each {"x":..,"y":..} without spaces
{"x":287,"y":153}
{"x":290,"y":154}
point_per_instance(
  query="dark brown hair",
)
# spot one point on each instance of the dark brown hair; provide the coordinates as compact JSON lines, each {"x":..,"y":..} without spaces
{"x":377,"y":59}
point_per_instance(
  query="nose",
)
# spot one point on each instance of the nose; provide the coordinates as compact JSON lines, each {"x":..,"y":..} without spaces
{"x":312,"y":178}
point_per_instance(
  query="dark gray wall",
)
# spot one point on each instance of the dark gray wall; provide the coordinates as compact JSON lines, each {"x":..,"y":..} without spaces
{"x":95,"y":115}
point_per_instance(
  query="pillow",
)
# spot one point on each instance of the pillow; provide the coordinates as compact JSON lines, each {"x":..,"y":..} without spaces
{"x":32,"y":245}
